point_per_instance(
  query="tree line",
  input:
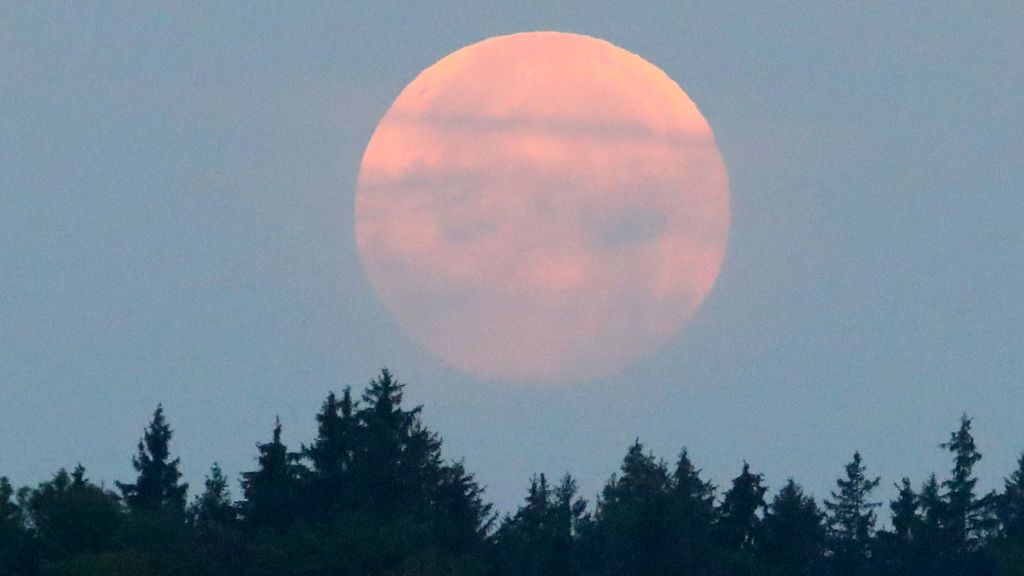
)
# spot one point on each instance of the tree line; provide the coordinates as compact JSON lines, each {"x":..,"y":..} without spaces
{"x":372,"y":494}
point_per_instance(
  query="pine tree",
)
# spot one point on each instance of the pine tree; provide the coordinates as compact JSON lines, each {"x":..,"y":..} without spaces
{"x":792,"y":535}
{"x":934,"y":518}
{"x":632,"y":518}
{"x":214,"y":507}
{"x":967,"y":517}
{"x":852,"y":518}
{"x":397,"y":463}
{"x":73,"y":516}
{"x":905,"y":519}
{"x":696,"y":495}
{"x":1008,"y":548}
{"x":691,"y":516}
{"x":1010,"y":504}
{"x":515,"y":540}
{"x":17,"y":558}
{"x":331,"y":455}
{"x":271,"y":490}
{"x":567,"y":512}
{"x":534,"y":515}
{"x":898,"y":551}
{"x":460,"y":517}
{"x":523,"y":541}
{"x":10,"y":512}
{"x":643,"y":479}
{"x":738,"y":516}
{"x":158,"y":487}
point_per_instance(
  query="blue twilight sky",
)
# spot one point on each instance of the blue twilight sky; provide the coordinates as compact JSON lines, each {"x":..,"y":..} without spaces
{"x":176,"y":198}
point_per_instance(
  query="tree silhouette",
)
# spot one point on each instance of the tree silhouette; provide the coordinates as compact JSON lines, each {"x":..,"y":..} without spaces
{"x":17,"y":558}
{"x":792,"y":536}
{"x":851,"y":519}
{"x":967,"y":518}
{"x":397,"y":459}
{"x":1010,"y":504}
{"x":330,"y":456}
{"x":157,"y":487}
{"x":738,"y":517}
{"x":214,"y":507}
{"x":632,"y":516}
{"x":271,"y":491}
{"x":373,"y":494}
{"x":73,"y":516}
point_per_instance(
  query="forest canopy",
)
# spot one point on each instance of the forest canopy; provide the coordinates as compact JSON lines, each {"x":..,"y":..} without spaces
{"x":372,"y":493}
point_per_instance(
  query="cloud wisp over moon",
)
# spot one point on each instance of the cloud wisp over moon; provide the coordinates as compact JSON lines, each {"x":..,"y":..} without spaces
{"x":542,"y":207}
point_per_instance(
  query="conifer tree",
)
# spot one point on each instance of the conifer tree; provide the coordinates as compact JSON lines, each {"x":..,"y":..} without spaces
{"x":967,"y":517}
{"x":73,"y":516}
{"x":539,"y":539}
{"x":691,"y":511}
{"x":10,"y":512}
{"x":632,"y":516}
{"x":567,"y":512}
{"x":934,"y":522}
{"x":271,"y":490}
{"x":792,"y":535}
{"x":331,"y":455}
{"x":523,"y":542}
{"x":904,"y":510}
{"x":214,"y":507}
{"x":534,"y":515}
{"x":17,"y":557}
{"x":738,"y":516}
{"x":1010,"y":504}
{"x":851,"y":518}
{"x":898,"y":551}
{"x":397,"y":464}
{"x":460,"y":517}
{"x":385,"y":427}
{"x":642,"y":479}
{"x":158,"y":487}
{"x":694,"y":492}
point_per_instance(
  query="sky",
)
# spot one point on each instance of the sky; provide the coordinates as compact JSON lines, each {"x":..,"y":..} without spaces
{"x":177,"y":189}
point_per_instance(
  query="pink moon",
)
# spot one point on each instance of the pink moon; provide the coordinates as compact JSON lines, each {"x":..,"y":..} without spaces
{"x":542,"y":207}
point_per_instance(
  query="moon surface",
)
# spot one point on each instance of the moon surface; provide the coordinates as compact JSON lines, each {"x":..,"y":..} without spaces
{"x":542,"y":207}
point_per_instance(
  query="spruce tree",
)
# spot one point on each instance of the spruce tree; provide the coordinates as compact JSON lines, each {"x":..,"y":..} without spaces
{"x":632,"y":517}
{"x":331,"y":455}
{"x":935,"y":536}
{"x":643,"y":479}
{"x":738,"y":516}
{"x":691,"y":516}
{"x":967,"y":517}
{"x":10,"y":512}
{"x":158,"y":487}
{"x":73,"y":516}
{"x":397,"y":463}
{"x":214,"y":507}
{"x":898,"y":551}
{"x":792,"y":536}
{"x":696,"y":495}
{"x":904,"y":510}
{"x":385,"y":427}
{"x":1010,"y":504}
{"x":567,"y":513}
{"x":17,"y":556}
{"x":851,"y":518}
{"x":523,"y":541}
{"x":271,"y":490}
{"x":460,"y":518}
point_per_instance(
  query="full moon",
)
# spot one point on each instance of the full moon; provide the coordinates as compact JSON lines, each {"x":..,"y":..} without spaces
{"x":542,"y":207}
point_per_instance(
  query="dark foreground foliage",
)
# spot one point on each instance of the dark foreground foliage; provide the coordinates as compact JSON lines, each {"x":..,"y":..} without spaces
{"x":373,"y":495}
